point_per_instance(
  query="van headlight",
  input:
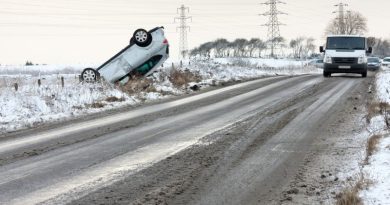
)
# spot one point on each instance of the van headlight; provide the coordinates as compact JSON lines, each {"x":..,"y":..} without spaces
{"x":328,"y":59}
{"x":362,"y":60}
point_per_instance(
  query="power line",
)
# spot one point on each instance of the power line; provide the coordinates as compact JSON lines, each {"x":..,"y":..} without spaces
{"x":273,"y":25}
{"x":183,"y":47}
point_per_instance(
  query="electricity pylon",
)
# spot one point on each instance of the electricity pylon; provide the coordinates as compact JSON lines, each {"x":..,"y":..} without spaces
{"x":183,"y":18}
{"x":273,"y":25}
{"x":341,"y":17}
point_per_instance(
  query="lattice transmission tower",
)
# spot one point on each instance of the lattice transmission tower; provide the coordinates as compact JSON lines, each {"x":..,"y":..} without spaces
{"x":183,"y":27}
{"x":273,"y":25}
{"x":341,"y":17}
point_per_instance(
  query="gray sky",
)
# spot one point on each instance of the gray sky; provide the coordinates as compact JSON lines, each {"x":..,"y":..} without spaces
{"x":91,"y":31}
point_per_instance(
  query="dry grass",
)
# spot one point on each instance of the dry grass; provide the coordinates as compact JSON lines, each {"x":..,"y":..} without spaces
{"x":371,"y":147}
{"x":350,"y":195}
{"x":372,"y":111}
{"x":137,"y":85}
{"x":385,"y":107}
{"x":97,"y":105}
{"x":114,"y":99}
{"x":378,"y":108}
{"x":182,"y":78}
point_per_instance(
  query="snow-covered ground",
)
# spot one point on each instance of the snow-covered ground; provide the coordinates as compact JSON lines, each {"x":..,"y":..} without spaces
{"x":273,"y":63}
{"x":32,"y":105}
{"x":34,"y":70}
{"x":378,"y":167}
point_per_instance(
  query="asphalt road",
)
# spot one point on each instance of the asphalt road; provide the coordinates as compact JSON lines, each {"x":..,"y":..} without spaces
{"x":181,"y":151}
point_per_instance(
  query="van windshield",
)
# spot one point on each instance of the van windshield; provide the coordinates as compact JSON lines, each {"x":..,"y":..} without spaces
{"x":347,"y":43}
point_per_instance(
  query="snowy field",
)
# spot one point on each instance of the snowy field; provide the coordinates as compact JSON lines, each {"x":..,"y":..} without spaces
{"x":378,"y":168}
{"x":32,"y":105}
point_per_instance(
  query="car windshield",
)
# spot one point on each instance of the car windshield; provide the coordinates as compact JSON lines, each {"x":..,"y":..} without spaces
{"x":347,"y":43}
{"x":373,"y":60}
{"x":386,"y":59}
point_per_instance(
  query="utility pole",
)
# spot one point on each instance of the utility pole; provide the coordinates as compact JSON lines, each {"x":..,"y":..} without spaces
{"x":273,"y":25}
{"x":182,"y":18}
{"x":341,"y":17}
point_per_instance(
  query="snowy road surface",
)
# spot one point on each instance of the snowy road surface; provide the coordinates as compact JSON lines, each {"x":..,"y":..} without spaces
{"x":96,"y":160}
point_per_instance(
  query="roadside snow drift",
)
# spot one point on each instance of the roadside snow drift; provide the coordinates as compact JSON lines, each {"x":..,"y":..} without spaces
{"x":378,"y":167}
{"x":27,"y":104}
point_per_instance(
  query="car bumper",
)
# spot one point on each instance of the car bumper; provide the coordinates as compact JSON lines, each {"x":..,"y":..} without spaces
{"x":339,"y":68}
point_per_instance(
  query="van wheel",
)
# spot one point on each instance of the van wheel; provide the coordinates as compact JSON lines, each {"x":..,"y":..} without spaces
{"x":364,"y":74}
{"x":327,"y":74}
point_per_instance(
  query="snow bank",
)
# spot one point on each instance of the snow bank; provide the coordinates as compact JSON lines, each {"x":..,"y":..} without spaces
{"x":9,"y":70}
{"x":378,"y":168}
{"x":379,"y":172}
{"x":32,"y":105}
{"x":264,"y":62}
{"x":226,"y":69}
{"x":383,"y":86}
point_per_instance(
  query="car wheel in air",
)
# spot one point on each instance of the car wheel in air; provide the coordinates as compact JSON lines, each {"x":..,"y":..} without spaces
{"x":89,"y":75}
{"x":142,"y":38}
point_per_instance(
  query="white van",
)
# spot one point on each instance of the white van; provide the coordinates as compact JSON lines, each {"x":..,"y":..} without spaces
{"x":345,"y":54}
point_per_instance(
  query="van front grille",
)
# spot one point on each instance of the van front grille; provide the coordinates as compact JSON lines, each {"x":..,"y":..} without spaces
{"x":345,"y":60}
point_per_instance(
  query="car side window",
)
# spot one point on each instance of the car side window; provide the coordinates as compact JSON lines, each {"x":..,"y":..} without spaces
{"x":148,"y":65}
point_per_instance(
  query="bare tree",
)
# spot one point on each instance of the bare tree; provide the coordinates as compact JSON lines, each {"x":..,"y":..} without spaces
{"x":371,"y":41}
{"x":261,"y":46}
{"x":221,"y":45}
{"x":252,"y":45}
{"x":381,"y":48}
{"x":297,"y":46}
{"x":238,"y":48}
{"x":354,"y":24}
{"x":309,"y":47}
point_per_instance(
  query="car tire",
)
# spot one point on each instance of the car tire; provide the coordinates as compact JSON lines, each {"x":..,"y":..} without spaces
{"x":89,"y":75}
{"x":142,"y":38}
{"x":364,"y":74}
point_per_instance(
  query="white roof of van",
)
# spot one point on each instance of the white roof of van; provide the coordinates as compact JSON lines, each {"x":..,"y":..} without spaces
{"x":345,"y":36}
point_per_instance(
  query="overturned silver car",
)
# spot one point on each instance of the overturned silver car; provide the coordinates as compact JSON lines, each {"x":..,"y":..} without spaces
{"x":146,"y":52}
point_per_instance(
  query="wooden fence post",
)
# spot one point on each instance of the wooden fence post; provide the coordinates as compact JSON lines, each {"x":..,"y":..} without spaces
{"x":62,"y":81}
{"x":39,"y":82}
{"x":16,"y":86}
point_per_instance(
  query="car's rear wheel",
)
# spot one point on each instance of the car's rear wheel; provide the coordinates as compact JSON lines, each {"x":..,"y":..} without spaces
{"x":364,"y":74}
{"x":89,"y":75}
{"x":142,"y":38}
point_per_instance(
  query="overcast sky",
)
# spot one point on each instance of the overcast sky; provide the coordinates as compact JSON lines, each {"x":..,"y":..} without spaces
{"x":91,"y":31}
